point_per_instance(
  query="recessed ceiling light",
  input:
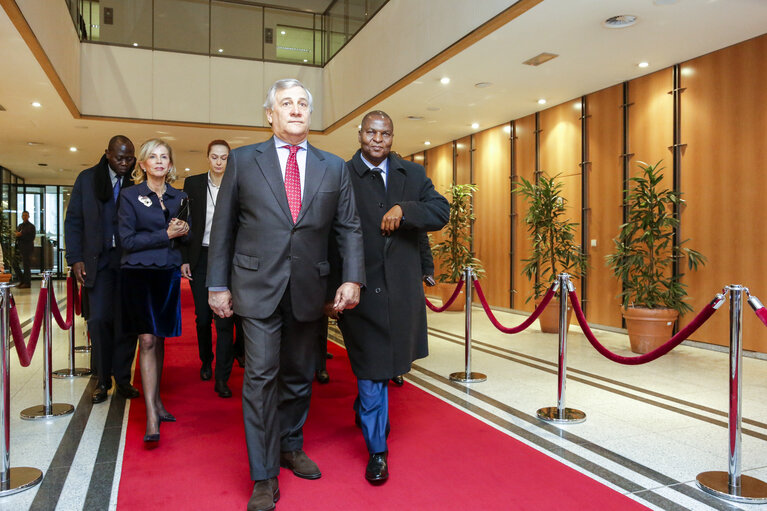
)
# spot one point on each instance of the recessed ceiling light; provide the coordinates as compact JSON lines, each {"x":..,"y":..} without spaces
{"x":282,"y":32}
{"x":359,"y":126}
{"x":620,"y":21}
{"x":643,"y":64}
{"x":444,"y":80}
{"x":36,"y":104}
{"x":306,"y":60}
{"x":482,"y":85}
{"x":539,"y":59}
{"x":34,"y":143}
{"x":73,"y":149}
{"x":474,"y":125}
{"x":427,"y":143}
{"x":221,"y":50}
{"x":541,"y":101}
{"x":415,"y":117}
{"x":187,"y":169}
{"x":507,"y":129}
{"x":42,"y":164}
{"x":135,"y":44}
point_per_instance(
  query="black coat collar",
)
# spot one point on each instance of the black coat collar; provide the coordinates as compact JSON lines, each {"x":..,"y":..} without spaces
{"x":102,"y":183}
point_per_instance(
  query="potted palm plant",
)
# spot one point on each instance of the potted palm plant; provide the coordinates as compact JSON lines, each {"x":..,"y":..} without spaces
{"x":454,"y":251}
{"x":554,"y":249}
{"x":653,"y":296}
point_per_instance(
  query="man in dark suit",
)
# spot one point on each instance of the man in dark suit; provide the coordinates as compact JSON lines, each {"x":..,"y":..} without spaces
{"x":386,"y":332}
{"x":93,"y":252}
{"x":280,"y":203}
{"x":25,"y":242}
{"x":203,"y":192}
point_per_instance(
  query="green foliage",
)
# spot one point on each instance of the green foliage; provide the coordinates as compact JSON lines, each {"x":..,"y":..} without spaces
{"x":644,"y":248}
{"x":454,"y":252}
{"x":554,"y":249}
{"x":11,"y":256}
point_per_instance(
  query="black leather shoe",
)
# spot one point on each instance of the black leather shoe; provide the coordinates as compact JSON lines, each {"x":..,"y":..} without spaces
{"x":222,"y":389}
{"x":127,"y":390}
{"x":206,"y":371}
{"x":152,"y":438}
{"x":322,"y":376}
{"x":265,"y":494}
{"x":377,"y":470}
{"x":100,"y":394}
{"x":167,"y":418}
{"x":398,"y":380}
{"x":300,"y":464}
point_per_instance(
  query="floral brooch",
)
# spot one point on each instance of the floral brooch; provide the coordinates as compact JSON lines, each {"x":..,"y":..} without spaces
{"x":146,"y":201}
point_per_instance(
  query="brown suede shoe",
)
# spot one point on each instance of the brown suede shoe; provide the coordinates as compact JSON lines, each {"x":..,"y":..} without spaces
{"x":265,"y":494}
{"x":300,"y":464}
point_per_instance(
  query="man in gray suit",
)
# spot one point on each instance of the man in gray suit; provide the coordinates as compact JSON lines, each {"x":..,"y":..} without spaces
{"x":280,"y":203}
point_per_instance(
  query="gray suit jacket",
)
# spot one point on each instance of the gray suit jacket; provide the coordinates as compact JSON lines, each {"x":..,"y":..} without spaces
{"x":257,"y":251}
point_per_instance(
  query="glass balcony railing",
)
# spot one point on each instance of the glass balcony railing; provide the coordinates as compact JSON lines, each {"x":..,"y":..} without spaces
{"x":228,"y":28}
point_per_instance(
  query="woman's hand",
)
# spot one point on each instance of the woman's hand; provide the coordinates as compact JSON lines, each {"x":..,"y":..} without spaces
{"x":177,"y":228}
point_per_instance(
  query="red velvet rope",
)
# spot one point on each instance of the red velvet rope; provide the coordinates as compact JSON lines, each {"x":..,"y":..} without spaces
{"x":526,"y":323}
{"x":70,"y":307}
{"x":762,"y":314}
{"x":450,"y":300}
{"x":24,"y":350}
{"x":672,"y":343}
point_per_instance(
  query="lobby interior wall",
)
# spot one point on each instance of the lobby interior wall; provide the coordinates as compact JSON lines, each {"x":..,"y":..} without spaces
{"x":53,"y":28}
{"x":184,"y":87}
{"x":438,"y":162}
{"x":722,"y":115}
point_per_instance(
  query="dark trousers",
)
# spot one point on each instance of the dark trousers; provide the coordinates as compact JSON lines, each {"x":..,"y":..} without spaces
{"x":113,"y":351}
{"x":372,"y":405}
{"x":25,"y":277}
{"x":226,"y":346}
{"x":277,"y":386}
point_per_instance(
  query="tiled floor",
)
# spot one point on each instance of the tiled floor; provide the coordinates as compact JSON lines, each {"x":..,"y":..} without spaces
{"x":650,"y":429}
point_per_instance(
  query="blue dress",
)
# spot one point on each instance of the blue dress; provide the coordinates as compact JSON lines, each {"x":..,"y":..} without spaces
{"x":151,"y":277}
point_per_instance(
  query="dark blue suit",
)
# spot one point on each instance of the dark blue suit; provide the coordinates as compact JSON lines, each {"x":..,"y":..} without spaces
{"x":90,"y":227}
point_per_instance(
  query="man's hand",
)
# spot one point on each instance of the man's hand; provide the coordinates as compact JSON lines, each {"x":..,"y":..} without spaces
{"x":79,"y":270}
{"x":347,"y":296}
{"x":391,"y":220}
{"x":329,"y":311}
{"x":221,"y":303}
{"x":186,"y":271}
{"x":429,"y":280}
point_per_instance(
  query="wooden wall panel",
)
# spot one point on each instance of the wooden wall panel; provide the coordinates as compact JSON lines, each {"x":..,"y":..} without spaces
{"x":492,"y":208}
{"x":463,"y":160}
{"x":605,"y":139}
{"x":439,"y":168}
{"x":724,"y":116}
{"x":560,"y":154}
{"x":651,"y":121}
{"x":525,"y":167}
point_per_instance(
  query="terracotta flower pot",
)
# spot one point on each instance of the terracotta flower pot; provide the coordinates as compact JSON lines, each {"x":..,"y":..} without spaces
{"x":648,"y":328}
{"x":446,"y":291}
{"x":549,"y":318}
{"x":5,"y":277}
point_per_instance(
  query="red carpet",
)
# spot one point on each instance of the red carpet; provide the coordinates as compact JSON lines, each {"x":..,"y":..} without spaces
{"x":440,"y":457}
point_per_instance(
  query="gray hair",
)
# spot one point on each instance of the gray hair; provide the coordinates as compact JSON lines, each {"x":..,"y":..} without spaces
{"x":285,"y":83}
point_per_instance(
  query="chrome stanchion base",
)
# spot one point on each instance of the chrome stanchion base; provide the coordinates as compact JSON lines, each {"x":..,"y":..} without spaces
{"x":569,"y":415}
{"x":20,"y":479}
{"x":83,"y":349}
{"x":38,"y":412}
{"x":717,"y":483}
{"x":71,"y":373}
{"x":464,"y":377}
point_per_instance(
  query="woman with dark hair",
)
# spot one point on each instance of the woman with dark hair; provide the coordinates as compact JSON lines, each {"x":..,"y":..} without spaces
{"x":203,"y":192}
{"x":149,"y":228}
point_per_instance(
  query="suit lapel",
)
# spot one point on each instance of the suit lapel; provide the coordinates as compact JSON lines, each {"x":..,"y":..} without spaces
{"x":395,"y":182}
{"x":314,"y":174}
{"x":267,"y":161}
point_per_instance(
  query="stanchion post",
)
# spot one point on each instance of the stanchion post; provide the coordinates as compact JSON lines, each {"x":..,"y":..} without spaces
{"x":48,"y":409}
{"x":732,"y":485}
{"x":12,"y":480}
{"x":71,"y":371}
{"x":467,"y":376}
{"x":561,"y":414}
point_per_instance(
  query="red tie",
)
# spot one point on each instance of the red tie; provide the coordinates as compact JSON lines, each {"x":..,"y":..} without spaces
{"x":293,"y":182}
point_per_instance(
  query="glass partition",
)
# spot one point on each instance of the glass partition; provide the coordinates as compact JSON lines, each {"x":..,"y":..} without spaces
{"x":236,"y":30}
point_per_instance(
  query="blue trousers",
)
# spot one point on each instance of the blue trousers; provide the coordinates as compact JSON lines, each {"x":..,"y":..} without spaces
{"x":372,"y":405}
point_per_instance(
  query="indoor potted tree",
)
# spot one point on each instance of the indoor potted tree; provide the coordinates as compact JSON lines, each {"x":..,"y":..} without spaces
{"x":652,"y":297}
{"x":554,"y":249}
{"x":454,"y":251}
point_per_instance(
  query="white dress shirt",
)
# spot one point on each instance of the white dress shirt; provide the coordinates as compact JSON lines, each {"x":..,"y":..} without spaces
{"x":210,"y":201}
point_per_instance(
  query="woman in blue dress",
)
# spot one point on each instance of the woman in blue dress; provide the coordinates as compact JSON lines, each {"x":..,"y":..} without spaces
{"x":150,"y":230}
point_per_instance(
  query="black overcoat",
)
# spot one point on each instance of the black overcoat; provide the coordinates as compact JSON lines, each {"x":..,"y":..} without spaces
{"x":386,"y":332}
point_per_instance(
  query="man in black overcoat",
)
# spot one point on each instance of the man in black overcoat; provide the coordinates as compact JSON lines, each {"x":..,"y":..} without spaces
{"x":386,"y":332}
{"x":93,"y":252}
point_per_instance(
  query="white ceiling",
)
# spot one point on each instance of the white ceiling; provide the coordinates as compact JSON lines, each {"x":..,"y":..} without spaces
{"x":591,"y":57}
